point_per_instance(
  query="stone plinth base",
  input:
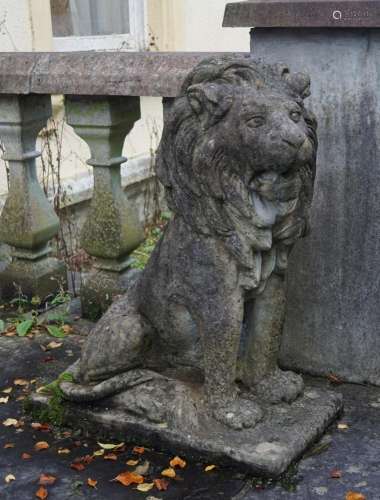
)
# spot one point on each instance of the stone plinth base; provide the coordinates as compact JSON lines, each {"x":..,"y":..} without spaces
{"x":33,"y":278}
{"x":332,"y":285}
{"x":268,"y":449}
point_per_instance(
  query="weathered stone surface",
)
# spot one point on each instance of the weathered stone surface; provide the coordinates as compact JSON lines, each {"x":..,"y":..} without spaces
{"x":96,"y":73}
{"x":247,"y":119}
{"x":27,"y":221}
{"x":237,"y":159}
{"x":42,"y":277}
{"x":267,"y":450}
{"x":101,"y":287}
{"x":333,"y":294}
{"x":303,"y":13}
{"x":112,"y":229}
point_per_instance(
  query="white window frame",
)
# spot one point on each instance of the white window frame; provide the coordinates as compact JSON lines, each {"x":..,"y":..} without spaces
{"x":133,"y":41}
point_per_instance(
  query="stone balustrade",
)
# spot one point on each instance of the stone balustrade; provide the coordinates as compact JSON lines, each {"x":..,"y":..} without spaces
{"x":102,"y":91}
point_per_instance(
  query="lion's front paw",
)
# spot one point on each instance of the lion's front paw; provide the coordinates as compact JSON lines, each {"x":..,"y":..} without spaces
{"x":280,"y":386}
{"x":239,"y":414}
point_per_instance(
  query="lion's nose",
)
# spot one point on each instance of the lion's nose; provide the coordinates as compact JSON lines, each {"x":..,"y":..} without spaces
{"x":292,"y":135}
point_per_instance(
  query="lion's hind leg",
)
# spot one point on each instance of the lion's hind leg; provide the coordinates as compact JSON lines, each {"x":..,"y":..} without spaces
{"x":116,"y":344}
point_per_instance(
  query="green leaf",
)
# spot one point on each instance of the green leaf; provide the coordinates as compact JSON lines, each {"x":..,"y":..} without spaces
{"x":24,"y":327}
{"x":58,"y":318}
{"x":55,"y":331}
{"x":166,"y":215}
{"x":2,"y":326}
{"x":36,"y":301}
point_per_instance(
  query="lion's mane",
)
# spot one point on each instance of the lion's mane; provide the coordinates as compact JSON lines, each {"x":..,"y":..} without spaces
{"x":203,"y":184}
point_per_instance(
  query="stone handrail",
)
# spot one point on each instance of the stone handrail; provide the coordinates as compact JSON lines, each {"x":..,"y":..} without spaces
{"x":102,"y":91}
{"x":155,"y":74}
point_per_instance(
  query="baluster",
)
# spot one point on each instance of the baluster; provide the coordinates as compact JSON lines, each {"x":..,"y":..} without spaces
{"x":28,"y":221}
{"x":112,"y":229}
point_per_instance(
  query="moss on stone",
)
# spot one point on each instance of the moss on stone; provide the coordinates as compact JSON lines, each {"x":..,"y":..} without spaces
{"x":54,"y":412}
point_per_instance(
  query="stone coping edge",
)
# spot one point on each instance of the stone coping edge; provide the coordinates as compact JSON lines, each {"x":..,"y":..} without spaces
{"x":154,"y":74}
{"x":303,"y":14}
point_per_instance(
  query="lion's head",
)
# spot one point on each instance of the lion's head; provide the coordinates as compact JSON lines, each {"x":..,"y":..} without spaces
{"x":238,"y":151}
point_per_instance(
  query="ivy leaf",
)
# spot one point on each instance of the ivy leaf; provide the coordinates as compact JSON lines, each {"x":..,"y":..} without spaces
{"x":55,"y":331}
{"x":24,"y":327}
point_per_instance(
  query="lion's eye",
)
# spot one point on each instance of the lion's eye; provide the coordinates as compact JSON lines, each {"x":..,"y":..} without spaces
{"x":295,"y":116}
{"x":256,"y":121}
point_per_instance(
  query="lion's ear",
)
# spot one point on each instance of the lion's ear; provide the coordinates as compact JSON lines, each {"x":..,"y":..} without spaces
{"x":210,"y":101}
{"x":300,"y":82}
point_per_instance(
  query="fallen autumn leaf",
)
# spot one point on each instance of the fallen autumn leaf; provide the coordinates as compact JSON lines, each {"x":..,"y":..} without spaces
{"x":132,"y":462}
{"x":170,"y":472}
{"x":77,"y":466}
{"x":209,"y":468}
{"x":21,"y":382}
{"x":110,"y":446}
{"x":47,"y":480}
{"x":177,"y":462}
{"x":145,"y":487}
{"x":127,"y":478}
{"x":92,"y":482}
{"x":11,"y":422}
{"x":98,"y":453}
{"x":42,"y":493}
{"x":54,"y":345}
{"x":352,"y":495}
{"x":161,"y":484}
{"x":63,"y":451}
{"x":41,"y":445}
{"x":40,"y":427}
{"x":342,"y":426}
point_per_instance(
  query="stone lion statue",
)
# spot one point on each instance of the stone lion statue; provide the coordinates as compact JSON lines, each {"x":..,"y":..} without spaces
{"x":237,"y":160}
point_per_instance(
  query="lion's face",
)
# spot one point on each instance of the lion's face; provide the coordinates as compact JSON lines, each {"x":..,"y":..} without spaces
{"x":267,"y":131}
{"x":238,"y":154}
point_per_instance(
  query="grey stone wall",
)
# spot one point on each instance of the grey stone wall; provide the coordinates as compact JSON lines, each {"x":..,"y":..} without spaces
{"x":333,"y":317}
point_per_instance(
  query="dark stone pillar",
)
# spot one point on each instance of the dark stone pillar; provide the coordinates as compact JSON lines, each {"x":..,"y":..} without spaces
{"x":333,"y":313}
